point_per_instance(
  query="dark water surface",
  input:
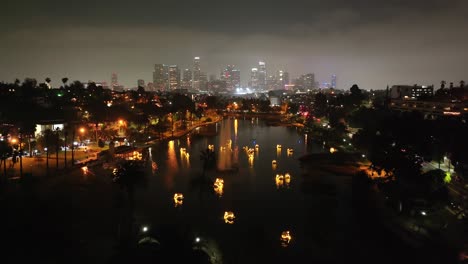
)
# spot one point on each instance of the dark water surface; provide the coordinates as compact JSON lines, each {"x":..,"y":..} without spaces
{"x":263,"y":210}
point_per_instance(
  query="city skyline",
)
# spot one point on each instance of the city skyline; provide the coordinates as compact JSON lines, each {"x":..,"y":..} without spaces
{"x":370,"y":43}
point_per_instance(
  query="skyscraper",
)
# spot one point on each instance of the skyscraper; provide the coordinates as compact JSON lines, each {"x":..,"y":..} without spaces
{"x":262,"y":75}
{"x":333,"y":81}
{"x":187,"y":79}
{"x":114,"y":81}
{"x":203,"y":81}
{"x":160,"y":77}
{"x":196,"y":73}
{"x":232,"y":77}
{"x":282,"y":79}
{"x":236,"y":79}
{"x":309,"y":80}
{"x":254,"y":78}
{"x":174,"y":77}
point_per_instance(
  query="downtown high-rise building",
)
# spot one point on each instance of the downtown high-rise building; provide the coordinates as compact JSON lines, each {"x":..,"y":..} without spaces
{"x":114,"y":81}
{"x":174,"y":77}
{"x":161,"y":77}
{"x":306,"y":81}
{"x":236,"y":78}
{"x":196,"y":73}
{"x":187,"y":79}
{"x":333,"y":81}
{"x":262,"y":75}
{"x":203,"y":81}
{"x":282,"y":78}
{"x":232,"y":77}
{"x":254,"y":78}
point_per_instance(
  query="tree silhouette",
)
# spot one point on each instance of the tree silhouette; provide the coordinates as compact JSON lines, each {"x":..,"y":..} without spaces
{"x":442,"y":84}
{"x":320,"y":105}
{"x":5,"y":150}
{"x":64,"y":81}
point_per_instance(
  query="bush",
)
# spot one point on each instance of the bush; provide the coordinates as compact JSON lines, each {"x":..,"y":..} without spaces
{"x":101,"y":143}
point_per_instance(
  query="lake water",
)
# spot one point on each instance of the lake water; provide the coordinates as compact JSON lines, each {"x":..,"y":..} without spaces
{"x":262,"y":207}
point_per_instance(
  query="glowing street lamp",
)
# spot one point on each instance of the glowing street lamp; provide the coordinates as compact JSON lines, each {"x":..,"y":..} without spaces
{"x":82,"y":131}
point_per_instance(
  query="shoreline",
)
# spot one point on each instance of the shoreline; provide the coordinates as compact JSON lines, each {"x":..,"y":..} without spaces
{"x":180,"y":134}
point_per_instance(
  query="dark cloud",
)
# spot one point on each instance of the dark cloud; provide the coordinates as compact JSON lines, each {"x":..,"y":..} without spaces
{"x":368,"y":42}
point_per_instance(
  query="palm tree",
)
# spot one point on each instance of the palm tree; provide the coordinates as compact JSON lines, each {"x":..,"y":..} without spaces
{"x":57,"y":145}
{"x":48,"y":80}
{"x":4,"y":150}
{"x":47,"y":141}
{"x":64,"y":80}
{"x":65,"y":134}
{"x":442,"y":84}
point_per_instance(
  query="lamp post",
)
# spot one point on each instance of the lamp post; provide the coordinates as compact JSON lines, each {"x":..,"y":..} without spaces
{"x":21,"y":156}
{"x":73,"y":146}
{"x":57,"y":146}
{"x":65,"y":143}
{"x":82,"y":131}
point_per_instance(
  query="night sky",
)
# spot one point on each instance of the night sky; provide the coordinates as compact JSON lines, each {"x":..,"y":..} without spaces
{"x":369,"y":42}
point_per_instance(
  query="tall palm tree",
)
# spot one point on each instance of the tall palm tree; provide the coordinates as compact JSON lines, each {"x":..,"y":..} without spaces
{"x":28,"y":128}
{"x":57,"y":146}
{"x":65,"y":134}
{"x":47,"y":140}
{"x":4,"y":149}
{"x":48,"y":80}
{"x":64,"y":80}
{"x":442,"y":84}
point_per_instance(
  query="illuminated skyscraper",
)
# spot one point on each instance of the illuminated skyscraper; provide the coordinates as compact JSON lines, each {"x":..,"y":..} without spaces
{"x":187,"y":79}
{"x":203,"y":81}
{"x":282,"y":79}
{"x":232,"y":77}
{"x":333,"y":81}
{"x":254,"y":78}
{"x":160,"y":77}
{"x":262,"y":75}
{"x":236,"y":79}
{"x":114,"y":81}
{"x":174,"y":77}
{"x":196,"y":73}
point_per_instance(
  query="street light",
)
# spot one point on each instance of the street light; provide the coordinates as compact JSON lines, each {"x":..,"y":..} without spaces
{"x":82,"y":131}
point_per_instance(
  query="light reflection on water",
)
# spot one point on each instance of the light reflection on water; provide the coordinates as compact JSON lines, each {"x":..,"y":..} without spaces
{"x":172,"y":165}
{"x":250,"y":192}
